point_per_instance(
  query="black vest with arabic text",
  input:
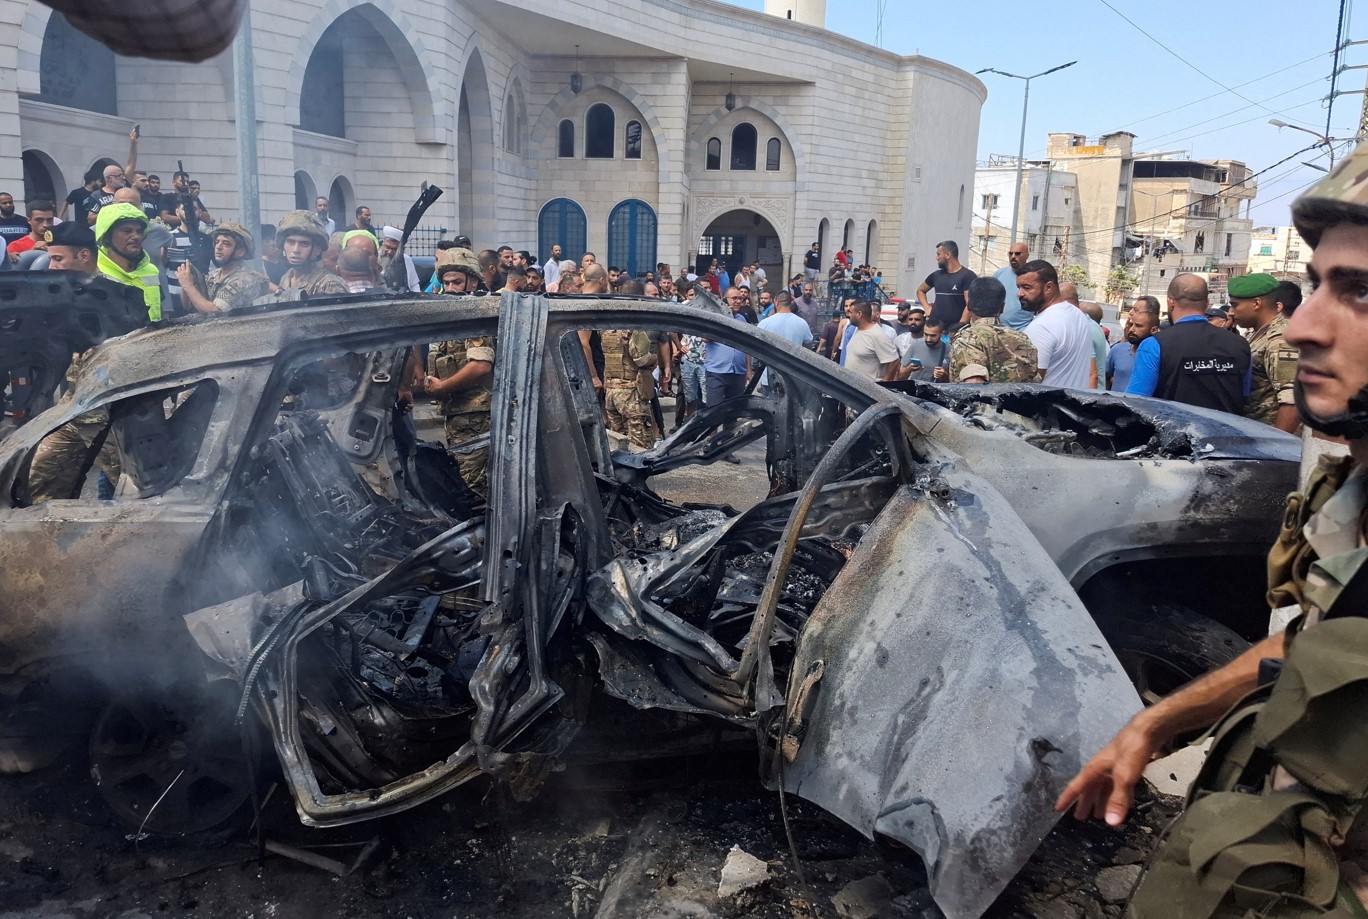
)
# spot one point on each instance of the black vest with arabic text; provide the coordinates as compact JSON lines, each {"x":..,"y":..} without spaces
{"x":1202,"y":365}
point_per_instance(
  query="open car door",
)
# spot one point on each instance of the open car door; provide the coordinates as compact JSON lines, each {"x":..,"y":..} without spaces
{"x":46,"y":317}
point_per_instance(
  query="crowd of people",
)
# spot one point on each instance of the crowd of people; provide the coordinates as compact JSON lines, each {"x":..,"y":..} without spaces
{"x":1023,"y":324}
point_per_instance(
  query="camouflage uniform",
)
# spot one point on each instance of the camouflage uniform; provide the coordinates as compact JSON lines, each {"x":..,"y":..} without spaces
{"x":314,"y":280}
{"x":235,"y":289}
{"x":467,"y":411}
{"x":628,"y":386}
{"x":1008,"y":354}
{"x":60,"y":456}
{"x":1275,"y":370}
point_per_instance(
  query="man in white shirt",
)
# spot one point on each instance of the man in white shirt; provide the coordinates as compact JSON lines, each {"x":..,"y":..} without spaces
{"x":321,"y":216}
{"x":870,"y":352}
{"x":1061,"y":333}
{"x":551,"y":268}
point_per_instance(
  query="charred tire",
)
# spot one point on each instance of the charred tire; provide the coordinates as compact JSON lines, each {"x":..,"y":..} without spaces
{"x":1163,"y":647}
{"x":170,"y":761}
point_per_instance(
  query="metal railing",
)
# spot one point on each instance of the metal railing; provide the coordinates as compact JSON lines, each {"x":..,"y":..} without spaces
{"x":423,"y":241}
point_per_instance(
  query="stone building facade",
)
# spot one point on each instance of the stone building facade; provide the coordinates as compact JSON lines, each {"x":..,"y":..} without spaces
{"x":643,"y":130}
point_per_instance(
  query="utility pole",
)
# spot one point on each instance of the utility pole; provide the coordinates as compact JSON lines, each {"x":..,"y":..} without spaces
{"x":987,"y":234}
{"x":1021,"y":145}
{"x":244,"y":109}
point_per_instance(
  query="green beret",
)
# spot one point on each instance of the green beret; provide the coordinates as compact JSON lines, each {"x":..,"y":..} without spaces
{"x":1249,"y":286}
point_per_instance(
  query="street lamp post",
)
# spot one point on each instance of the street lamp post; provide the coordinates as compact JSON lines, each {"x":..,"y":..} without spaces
{"x":1326,"y":140}
{"x":1021,"y":146}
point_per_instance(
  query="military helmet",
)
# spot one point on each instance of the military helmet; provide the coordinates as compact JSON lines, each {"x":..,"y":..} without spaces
{"x":240,"y":235}
{"x":296,"y":223}
{"x":457,"y":257}
{"x":1340,"y":196}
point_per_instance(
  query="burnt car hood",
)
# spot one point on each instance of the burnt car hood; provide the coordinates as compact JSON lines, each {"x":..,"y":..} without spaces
{"x":1107,"y":425}
{"x":946,"y":688}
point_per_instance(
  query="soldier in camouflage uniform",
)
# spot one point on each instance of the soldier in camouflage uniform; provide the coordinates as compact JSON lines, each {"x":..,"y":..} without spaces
{"x":1277,"y":823}
{"x":303,"y":242}
{"x":1007,"y":354}
{"x":231,"y":285}
{"x":461,"y":374}
{"x":628,"y":358}
{"x":1253,"y":306}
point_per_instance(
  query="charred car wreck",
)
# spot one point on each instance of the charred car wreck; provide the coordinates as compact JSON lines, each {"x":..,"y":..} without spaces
{"x":398,"y":635}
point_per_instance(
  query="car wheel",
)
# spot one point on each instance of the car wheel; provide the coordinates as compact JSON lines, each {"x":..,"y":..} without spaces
{"x":169,"y":761}
{"x":1163,"y":647}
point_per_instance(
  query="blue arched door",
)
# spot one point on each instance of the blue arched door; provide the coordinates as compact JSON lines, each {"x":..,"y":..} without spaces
{"x":632,"y":237}
{"x":562,"y":223}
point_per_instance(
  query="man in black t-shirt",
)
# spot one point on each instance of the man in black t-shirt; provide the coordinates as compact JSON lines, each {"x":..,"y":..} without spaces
{"x":812,"y":263}
{"x":950,"y":281}
{"x":76,"y":199}
{"x":149,"y":202}
{"x":12,"y":226}
{"x":114,"y":179}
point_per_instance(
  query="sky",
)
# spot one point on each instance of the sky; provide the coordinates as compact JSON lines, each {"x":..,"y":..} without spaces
{"x":1276,"y":55}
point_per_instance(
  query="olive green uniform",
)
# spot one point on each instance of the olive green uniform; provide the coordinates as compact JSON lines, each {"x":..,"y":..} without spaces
{"x":314,"y":280}
{"x":467,"y":412}
{"x":1274,"y":372}
{"x":1008,"y":354}
{"x":1280,"y":801}
{"x":235,"y":289}
{"x":628,"y":386}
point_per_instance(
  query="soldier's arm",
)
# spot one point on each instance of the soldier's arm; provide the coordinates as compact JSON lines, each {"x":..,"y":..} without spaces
{"x":1105,"y":786}
{"x":191,"y":294}
{"x":474,"y":373}
{"x":640,"y":351}
{"x":1283,"y":373}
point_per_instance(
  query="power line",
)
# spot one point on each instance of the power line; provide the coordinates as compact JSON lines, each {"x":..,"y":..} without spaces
{"x":1038,"y":152}
{"x":1335,"y":66}
{"x":1184,"y":60}
{"x":1206,"y":121}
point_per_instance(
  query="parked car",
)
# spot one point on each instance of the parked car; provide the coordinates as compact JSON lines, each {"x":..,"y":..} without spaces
{"x":900,"y":622}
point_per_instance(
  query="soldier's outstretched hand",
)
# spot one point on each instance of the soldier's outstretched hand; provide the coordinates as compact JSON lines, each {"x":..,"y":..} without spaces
{"x":1105,"y":787}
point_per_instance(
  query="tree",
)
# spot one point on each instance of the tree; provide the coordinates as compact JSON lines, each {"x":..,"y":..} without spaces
{"x":1121,"y":282}
{"x":1076,"y":275}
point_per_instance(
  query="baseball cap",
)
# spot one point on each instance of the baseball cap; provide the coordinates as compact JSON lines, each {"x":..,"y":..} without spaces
{"x":973,"y":370}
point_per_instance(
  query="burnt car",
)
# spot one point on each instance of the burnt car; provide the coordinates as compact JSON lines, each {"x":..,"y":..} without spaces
{"x":899,"y":621}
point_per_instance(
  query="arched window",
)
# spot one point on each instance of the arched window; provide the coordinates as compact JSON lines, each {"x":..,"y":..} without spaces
{"x":565,"y":139}
{"x":562,"y":223}
{"x":510,"y":138}
{"x":76,"y":70}
{"x":42,"y":179}
{"x":304,"y":191}
{"x":743,"y":146}
{"x":772,"y":152}
{"x":324,"y":109}
{"x":714,"y":153}
{"x":632,"y":237}
{"x":960,"y":218}
{"x":633,"y":140}
{"x":598,"y":132}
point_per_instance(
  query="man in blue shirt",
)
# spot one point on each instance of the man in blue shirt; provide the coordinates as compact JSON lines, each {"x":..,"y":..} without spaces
{"x":785,"y":323}
{"x":1013,"y":316}
{"x":1141,"y":323}
{"x":725,"y":368}
{"x":1192,"y":361}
